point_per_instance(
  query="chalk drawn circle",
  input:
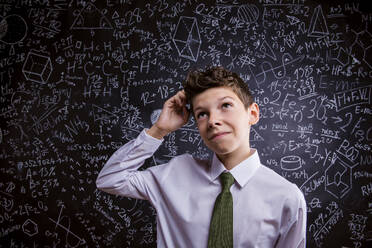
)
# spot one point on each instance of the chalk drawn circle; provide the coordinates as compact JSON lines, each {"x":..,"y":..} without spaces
{"x":155,"y":116}
{"x":290,"y":163}
{"x":248,"y":13}
{"x":16,"y":29}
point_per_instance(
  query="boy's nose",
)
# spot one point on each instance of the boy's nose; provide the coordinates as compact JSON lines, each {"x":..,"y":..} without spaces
{"x":213,"y":121}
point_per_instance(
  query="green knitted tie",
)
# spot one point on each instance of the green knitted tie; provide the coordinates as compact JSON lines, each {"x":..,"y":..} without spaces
{"x":221,"y":228}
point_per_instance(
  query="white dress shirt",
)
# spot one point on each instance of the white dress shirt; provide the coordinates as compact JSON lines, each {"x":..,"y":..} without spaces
{"x":269,"y":211}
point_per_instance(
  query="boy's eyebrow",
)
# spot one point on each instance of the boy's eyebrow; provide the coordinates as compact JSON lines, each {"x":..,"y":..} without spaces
{"x":219,"y":99}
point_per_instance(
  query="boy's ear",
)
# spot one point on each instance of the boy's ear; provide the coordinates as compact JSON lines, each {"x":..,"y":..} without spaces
{"x":254,"y":113}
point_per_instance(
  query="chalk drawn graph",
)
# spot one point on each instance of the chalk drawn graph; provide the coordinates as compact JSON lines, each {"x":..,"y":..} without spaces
{"x":279,"y":71}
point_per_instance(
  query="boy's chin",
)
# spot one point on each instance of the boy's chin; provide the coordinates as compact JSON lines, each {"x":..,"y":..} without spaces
{"x":220,"y":150}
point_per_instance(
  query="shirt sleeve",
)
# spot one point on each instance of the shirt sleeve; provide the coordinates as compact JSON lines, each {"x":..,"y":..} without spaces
{"x":120,"y":175}
{"x":294,"y":234}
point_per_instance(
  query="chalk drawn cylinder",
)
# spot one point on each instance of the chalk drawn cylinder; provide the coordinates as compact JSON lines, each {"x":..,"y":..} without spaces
{"x":290,"y":163}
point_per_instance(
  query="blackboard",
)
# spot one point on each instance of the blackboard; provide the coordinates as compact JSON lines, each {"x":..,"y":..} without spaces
{"x":81,"y":78}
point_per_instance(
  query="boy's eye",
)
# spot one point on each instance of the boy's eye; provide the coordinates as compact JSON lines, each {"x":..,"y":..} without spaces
{"x":226,"y":105}
{"x":200,"y":115}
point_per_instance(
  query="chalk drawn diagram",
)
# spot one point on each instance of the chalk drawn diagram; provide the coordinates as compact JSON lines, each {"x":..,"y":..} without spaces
{"x":266,"y":50}
{"x":318,"y":25}
{"x":105,"y":116}
{"x":255,"y":136}
{"x":291,"y":163}
{"x":13,"y":29}
{"x":342,"y":57}
{"x":357,"y":53}
{"x":91,"y":18}
{"x":37,"y":68}
{"x":248,"y":13}
{"x":279,"y":71}
{"x":186,"y":38}
{"x":338,"y":178}
{"x":64,"y":222}
{"x":364,"y":38}
{"x":292,"y":20}
{"x":30,"y":228}
{"x":361,"y":49}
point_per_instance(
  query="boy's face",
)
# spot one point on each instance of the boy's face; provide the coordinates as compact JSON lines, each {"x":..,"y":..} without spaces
{"x":224,"y":122}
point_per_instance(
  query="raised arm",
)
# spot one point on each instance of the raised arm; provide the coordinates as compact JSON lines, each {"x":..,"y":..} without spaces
{"x":120,"y":174}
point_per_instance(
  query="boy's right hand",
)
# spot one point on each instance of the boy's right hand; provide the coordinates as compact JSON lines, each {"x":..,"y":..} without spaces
{"x":173,"y":116}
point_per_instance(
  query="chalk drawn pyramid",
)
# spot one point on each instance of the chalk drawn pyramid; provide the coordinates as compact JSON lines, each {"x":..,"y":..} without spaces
{"x":91,"y":18}
{"x":318,"y":26}
{"x":186,"y":38}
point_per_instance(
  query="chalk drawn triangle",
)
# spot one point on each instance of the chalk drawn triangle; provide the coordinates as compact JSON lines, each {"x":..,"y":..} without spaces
{"x":293,"y":20}
{"x":255,"y":136}
{"x":180,"y":45}
{"x":187,"y":53}
{"x":194,"y":33}
{"x":91,"y":18}
{"x":318,"y":26}
{"x":115,"y":15}
{"x":228,"y":53}
{"x":266,"y":50}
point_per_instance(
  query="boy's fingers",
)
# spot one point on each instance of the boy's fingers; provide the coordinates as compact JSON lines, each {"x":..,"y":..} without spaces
{"x":186,"y":113}
{"x":180,"y":98}
{"x":177,"y":101}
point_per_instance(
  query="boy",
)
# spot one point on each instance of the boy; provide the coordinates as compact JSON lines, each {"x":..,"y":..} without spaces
{"x":258,"y":208}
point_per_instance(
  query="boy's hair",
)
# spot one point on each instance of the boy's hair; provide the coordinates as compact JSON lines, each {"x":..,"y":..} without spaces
{"x":198,"y":81}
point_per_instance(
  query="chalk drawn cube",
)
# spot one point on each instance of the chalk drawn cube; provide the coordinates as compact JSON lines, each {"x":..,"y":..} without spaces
{"x":186,"y":38}
{"x":37,"y":68}
{"x":30,"y":228}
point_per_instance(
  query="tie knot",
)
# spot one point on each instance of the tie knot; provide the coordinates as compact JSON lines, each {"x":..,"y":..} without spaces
{"x":227,"y":180}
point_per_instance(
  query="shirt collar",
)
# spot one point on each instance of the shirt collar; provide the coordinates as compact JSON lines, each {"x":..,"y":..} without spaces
{"x":241,"y":172}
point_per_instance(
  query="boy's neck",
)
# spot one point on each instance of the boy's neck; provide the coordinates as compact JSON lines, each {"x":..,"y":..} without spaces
{"x":232,"y":160}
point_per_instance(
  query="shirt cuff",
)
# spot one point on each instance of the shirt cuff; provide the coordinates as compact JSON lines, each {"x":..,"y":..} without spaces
{"x":149,"y":138}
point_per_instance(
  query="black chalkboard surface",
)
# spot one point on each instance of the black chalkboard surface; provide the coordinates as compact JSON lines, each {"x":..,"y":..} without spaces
{"x":81,"y":78}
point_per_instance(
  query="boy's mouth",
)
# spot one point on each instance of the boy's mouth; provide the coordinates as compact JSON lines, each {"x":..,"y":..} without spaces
{"x":217,"y":135}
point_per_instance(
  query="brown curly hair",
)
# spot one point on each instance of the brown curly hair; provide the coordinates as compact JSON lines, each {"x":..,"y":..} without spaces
{"x":198,"y":81}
